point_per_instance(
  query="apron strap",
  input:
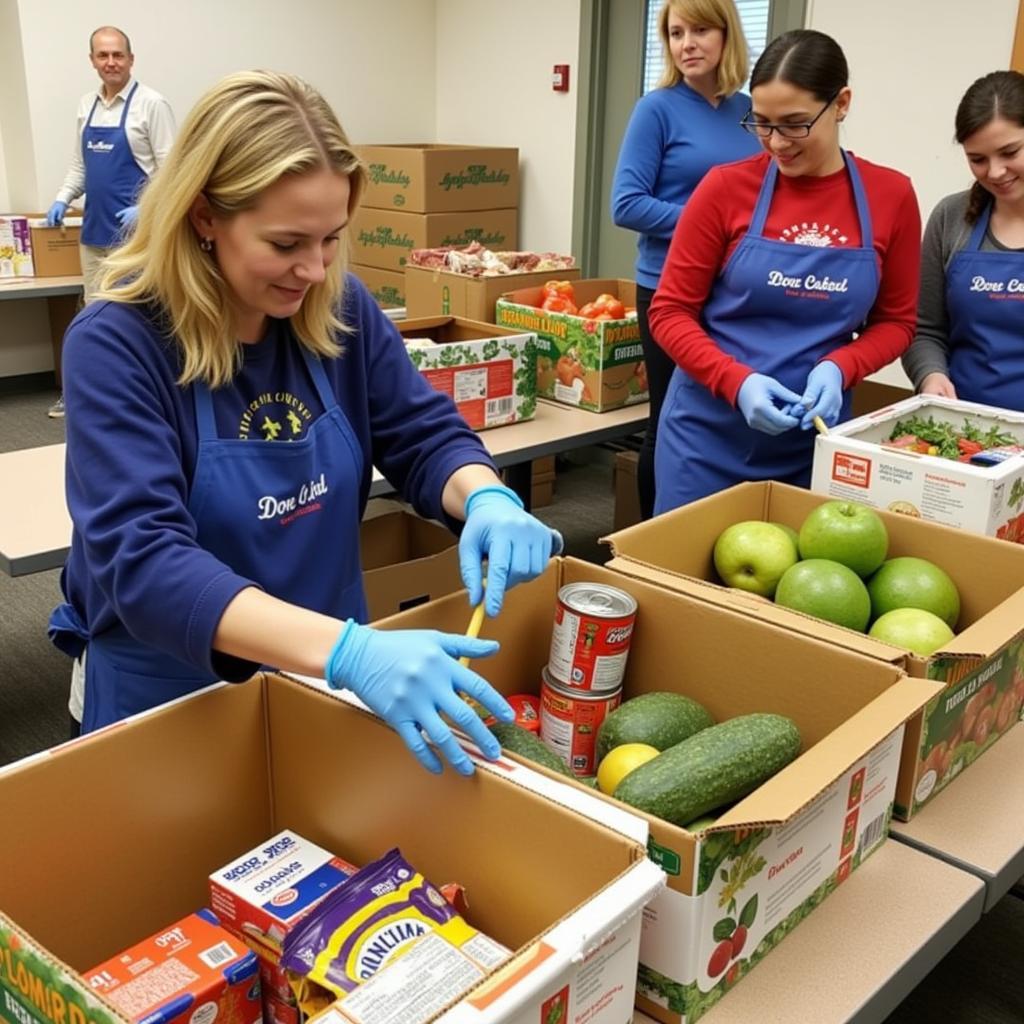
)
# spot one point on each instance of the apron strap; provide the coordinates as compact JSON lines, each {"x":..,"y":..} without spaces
{"x":206,"y":423}
{"x":127,"y":104}
{"x":764,"y":199}
{"x":867,"y":240}
{"x":979,"y":229}
{"x":316,"y":369}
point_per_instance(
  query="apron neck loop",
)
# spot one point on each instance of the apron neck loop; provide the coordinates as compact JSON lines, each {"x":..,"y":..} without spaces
{"x":980,"y":227}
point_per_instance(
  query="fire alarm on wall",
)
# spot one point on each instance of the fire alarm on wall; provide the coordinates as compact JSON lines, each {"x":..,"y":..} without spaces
{"x":560,"y":78}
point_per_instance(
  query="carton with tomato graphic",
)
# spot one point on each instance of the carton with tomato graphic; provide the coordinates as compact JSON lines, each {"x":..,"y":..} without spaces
{"x":588,"y":340}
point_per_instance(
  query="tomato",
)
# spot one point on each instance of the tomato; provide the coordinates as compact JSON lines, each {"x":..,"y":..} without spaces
{"x":567,"y":370}
{"x":720,"y":958}
{"x":589,"y":311}
{"x":611,"y":305}
{"x":563,"y":288}
{"x":554,"y":303}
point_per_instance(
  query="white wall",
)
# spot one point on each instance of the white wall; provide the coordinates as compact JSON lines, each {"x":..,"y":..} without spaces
{"x":494,"y":88}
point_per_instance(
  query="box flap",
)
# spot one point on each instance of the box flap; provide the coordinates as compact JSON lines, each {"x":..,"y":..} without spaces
{"x":990,"y":632}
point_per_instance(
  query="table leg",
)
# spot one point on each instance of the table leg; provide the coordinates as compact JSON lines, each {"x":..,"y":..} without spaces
{"x":519,"y":477}
{"x":62,"y":310}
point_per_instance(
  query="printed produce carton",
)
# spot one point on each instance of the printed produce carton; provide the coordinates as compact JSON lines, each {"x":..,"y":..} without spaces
{"x":386,"y":286}
{"x":931,"y":479}
{"x":982,"y":667}
{"x":15,"y":247}
{"x":55,"y":251}
{"x":594,"y":364}
{"x":434,"y":177}
{"x":736,"y":889}
{"x":384,"y":238}
{"x":490,"y":372}
{"x":154,"y":804}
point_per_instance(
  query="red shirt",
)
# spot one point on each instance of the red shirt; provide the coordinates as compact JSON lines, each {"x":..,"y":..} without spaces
{"x":804,"y":211}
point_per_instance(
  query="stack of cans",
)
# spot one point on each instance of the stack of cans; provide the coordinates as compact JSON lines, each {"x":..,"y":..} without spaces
{"x":583,"y":679}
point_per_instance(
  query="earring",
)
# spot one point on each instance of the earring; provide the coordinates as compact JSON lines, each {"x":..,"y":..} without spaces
{"x":206,"y":244}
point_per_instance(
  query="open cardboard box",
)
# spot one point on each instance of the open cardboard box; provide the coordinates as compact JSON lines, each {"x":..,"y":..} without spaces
{"x":786,"y":846}
{"x":117,"y":833}
{"x":982,"y":664}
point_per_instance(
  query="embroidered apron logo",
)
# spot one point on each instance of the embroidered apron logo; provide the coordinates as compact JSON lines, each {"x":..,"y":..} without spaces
{"x":284,"y":417}
{"x":810,"y":283}
{"x":295,"y":505}
{"x":983,"y":284}
{"x":99,"y":147}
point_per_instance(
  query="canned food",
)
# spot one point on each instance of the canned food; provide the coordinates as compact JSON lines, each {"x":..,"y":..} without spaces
{"x":569,"y":720}
{"x":590,"y":639}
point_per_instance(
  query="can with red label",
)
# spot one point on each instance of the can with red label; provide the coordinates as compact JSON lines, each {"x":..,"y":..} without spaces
{"x":590,"y":640}
{"x":569,"y":720}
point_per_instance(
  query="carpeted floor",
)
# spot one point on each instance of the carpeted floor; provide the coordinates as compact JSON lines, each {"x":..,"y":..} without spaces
{"x":979,"y":982}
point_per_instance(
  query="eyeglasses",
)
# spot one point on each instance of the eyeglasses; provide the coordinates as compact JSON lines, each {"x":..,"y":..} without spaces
{"x":787,"y":131}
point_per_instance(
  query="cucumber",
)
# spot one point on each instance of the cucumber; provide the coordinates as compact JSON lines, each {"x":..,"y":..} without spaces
{"x":661,"y":720}
{"x":716,"y":766}
{"x":518,"y":740}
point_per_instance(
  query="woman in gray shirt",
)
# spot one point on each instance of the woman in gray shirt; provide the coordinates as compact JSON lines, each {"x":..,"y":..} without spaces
{"x":970,"y":320}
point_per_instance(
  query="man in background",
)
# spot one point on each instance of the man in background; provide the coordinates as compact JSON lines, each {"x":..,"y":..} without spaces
{"x":124,"y":132}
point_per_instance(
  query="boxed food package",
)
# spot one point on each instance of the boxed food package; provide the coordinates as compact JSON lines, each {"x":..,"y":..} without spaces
{"x":15,"y":247}
{"x":55,"y":251}
{"x":737,"y":887}
{"x":190,"y":971}
{"x":627,"y":497}
{"x":384,"y":238}
{"x":215,"y":773}
{"x":880,"y":460}
{"x":490,"y":372}
{"x":436,"y":177}
{"x":594,"y":364}
{"x":981,"y":668}
{"x":386,"y":286}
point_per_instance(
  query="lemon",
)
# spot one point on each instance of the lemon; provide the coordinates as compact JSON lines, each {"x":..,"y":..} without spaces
{"x":620,"y":761}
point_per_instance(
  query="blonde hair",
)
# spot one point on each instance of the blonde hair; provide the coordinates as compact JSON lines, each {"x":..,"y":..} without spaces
{"x":721,"y":14}
{"x":246,"y":133}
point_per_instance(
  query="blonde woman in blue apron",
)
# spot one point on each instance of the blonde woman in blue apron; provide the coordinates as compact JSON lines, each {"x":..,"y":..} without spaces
{"x":229,"y":392}
{"x":792,"y":275}
{"x":970,"y":325}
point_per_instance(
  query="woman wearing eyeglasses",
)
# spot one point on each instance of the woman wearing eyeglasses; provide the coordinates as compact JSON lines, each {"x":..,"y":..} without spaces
{"x":677,"y":133}
{"x":970,"y":320}
{"x":777,"y":262}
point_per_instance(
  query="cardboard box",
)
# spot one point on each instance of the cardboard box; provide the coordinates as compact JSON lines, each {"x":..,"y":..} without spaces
{"x":386,"y":286}
{"x":434,"y":177}
{"x":384,"y":238}
{"x":776,"y":854}
{"x":979,"y":667}
{"x":627,"y":497}
{"x":188,"y":972}
{"x":155,"y":803}
{"x":430,"y":292}
{"x":593,"y":364}
{"x":489,"y":372}
{"x":55,"y":251}
{"x":850,"y":463}
{"x":15,"y":247}
{"x":542,"y":481}
{"x":406,"y":560}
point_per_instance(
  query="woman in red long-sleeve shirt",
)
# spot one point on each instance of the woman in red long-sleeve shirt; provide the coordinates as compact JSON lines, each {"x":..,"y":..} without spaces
{"x":792,"y":275}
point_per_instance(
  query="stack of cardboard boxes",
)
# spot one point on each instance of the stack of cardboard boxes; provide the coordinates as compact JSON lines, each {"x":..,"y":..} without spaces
{"x":425,"y":195}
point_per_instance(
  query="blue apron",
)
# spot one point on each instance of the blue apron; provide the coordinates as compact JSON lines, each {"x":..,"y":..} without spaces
{"x":113,"y":180}
{"x":986,"y":327}
{"x":304,"y":551}
{"x":779,"y":308}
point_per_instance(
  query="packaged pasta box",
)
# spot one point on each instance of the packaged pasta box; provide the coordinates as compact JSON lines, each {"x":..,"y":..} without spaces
{"x":193,"y":972}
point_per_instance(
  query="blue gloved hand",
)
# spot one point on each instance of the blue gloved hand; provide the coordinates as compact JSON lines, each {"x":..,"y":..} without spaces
{"x":408,"y":677}
{"x":516,"y":545}
{"x":757,"y":400}
{"x":823,"y":395}
{"x":55,"y":214}
{"x":127,"y":217}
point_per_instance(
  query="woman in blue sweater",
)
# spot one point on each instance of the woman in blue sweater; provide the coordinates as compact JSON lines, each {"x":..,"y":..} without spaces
{"x":677,"y":133}
{"x":227,"y":397}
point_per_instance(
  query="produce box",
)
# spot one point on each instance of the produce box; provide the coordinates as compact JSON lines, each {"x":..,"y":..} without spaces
{"x":490,"y":372}
{"x":849,"y":462}
{"x":386,"y":286}
{"x":435,"y":177}
{"x":198,"y":782}
{"x":627,"y":497}
{"x":767,"y":862}
{"x":55,"y":251}
{"x":593,"y":364}
{"x":15,"y":247}
{"x":430,"y":292}
{"x":384,"y":238}
{"x":982,"y":667}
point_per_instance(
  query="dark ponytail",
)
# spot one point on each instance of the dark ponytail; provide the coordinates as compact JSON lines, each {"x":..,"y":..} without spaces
{"x":999,"y":94}
{"x":805,"y":58}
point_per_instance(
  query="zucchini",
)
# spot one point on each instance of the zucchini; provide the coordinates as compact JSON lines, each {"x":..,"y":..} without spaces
{"x":517,"y":740}
{"x":661,"y":720}
{"x":716,"y":766}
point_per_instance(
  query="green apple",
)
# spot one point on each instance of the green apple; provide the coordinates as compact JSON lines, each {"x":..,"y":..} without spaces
{"x":913,"y":628}
{"x":914,"y":583}
{"x":791,"y":534}
{"x":828,"y":590}
{"x":753,"y":555}
{"x":845,"y":532}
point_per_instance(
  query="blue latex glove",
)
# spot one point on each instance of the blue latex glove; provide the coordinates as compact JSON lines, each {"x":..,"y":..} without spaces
{"x":127,"y":217}
{"x":823,"y":395}
{"x":757,"y":400}
{"x":516,"y":545}
{"x":408,"y":677}
{"x":55,"y":214}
